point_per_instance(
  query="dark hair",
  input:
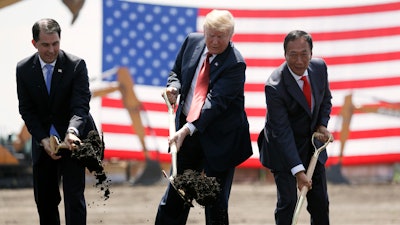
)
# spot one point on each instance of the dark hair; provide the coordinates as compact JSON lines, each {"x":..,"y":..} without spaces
{"x":296,"y":34}
{"x":45,"y":25}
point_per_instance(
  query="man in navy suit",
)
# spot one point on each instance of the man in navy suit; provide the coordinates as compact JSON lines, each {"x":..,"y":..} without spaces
{"x":219,"y":139}
{"x":285,"y":142}
{"x":61,"y":109}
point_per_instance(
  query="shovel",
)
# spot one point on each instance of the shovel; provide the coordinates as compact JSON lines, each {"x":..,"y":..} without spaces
{"x":174,"y":152}
{"x":191,"y":184}
{"x":310,"y":172}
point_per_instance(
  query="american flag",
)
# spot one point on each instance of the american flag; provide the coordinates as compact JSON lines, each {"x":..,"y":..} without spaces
{"x":360,"y":44}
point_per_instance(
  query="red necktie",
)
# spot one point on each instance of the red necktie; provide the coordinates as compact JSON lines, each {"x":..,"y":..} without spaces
{"x":307,"y":90}
{"x":200,"y":91}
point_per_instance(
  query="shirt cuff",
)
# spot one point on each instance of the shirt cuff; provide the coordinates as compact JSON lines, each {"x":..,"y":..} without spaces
{"x":191,"y":128}
{"x":73,"y":130}
{"x":297,"y":169}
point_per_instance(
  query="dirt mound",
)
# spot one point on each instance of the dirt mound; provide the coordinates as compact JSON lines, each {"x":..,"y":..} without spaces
{"x":196,"y":186}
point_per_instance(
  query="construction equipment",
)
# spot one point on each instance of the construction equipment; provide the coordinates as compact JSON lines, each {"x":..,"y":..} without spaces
{"x":74,"y":6}
{"x":151,"y":172}
{"x":15,"y":160}
{"x":5,"y":3}
{"x":334,"y":173}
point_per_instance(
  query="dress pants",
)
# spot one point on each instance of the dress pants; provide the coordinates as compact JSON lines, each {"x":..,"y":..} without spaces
{"x":317,"y":197}
{"x":48,"y":174}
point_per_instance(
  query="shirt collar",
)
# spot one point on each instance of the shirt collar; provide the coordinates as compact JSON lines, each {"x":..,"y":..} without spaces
{"x":42,"y":63}
{"x":297,"y":77}
{"x":205,"y":54}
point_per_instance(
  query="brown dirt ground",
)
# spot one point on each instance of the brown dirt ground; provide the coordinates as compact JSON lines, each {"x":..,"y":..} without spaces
{"x":251,"y":203}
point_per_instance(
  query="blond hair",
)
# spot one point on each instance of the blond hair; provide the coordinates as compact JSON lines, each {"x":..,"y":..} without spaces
{"x":221,"y":20}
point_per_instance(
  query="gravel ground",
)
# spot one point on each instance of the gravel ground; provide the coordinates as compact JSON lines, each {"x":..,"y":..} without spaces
{"x":251,"y":203}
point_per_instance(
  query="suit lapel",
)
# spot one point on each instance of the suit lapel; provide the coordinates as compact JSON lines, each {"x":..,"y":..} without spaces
{"x":313,"y":83}
{"x":317,"y":86}
{"x":196,"y":56}
{"x":57,"y":75}
{"x":216,"y":63}
{"x":38,"y":77}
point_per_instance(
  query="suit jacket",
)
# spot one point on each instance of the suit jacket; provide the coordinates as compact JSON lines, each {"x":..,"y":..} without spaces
{"x":285,"y":141}
{"x":66,"y":106}
{"x":223,"y":126}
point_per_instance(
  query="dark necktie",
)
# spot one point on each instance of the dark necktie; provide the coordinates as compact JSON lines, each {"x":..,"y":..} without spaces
{"x":306,"y":90}
{"x":49,"y":74}
{"x":200,"y":91}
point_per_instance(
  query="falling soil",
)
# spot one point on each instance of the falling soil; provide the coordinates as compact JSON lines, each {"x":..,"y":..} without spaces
{"x":197,"y":186}
{"x":91,"y":153}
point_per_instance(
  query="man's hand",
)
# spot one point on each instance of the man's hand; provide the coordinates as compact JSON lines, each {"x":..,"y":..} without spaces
{"x":172,"y":94}
{"x":179,"y":136}
{"x":326,"y":134}
{"x":71,"y":141}
{"x":302,"y":180}
{"x":46,"y":145}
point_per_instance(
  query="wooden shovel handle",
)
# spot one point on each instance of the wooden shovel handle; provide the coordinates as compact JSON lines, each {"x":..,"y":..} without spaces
{"x":172,"y":130}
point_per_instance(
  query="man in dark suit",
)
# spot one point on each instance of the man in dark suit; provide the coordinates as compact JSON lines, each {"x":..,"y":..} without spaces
{"x":285,"y":143}
{"x":218,"y":139}
{"x":61,"y":109}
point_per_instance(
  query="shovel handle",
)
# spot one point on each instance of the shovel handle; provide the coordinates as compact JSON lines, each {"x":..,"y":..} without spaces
{"x":56,"y":144}
{"x":310,"y":172}
{"x":172,"y":130}
{"x":299,"y":204}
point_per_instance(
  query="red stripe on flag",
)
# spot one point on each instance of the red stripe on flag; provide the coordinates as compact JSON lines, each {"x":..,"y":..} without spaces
{"x":162,"y":132}
{"x":387,"y":109}
{"x":255,"y":112}
{"x":125,"y":129}
{"x":365,"y":159}
{"x":111,"y":102}
{"x":370,"y":83}
{"x":254,"y":162}
{"x":333,"y":60}
{"x":315,"y":12}
{"x":137,"y":155}
{"x":377,"y":57}
{"x":358,"y":134}
{"x":323,"y":36}
{"x":372,"y":133}
{"x":251,"y":111}
{"x":117,"y":103}
{"x":340,"y":85}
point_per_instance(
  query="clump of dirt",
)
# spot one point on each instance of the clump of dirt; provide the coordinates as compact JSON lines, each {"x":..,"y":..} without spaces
{"x":195,"y":185}
{"x":90,"y":153}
